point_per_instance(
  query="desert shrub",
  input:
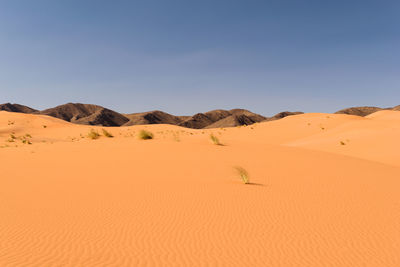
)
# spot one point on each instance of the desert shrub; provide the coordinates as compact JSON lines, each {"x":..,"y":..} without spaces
{"x":106,"y":133}
{"x":93,"y":135}
{"x":145,"y":135}
{"x":26,"y":141}
{"x":243,"y":174}
{"x":215,"y":140}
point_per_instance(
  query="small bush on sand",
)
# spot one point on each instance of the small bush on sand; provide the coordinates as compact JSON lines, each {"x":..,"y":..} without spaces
{"x":106,"y":133}
{"x":93,"y":135}
{"x":215,"y":140}
{"x":26,"y":141}
{"x":243,"y":174}
{"x":145,"y":135}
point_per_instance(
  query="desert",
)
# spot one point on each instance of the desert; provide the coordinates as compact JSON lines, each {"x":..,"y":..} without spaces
{"x":229,"y":133}
{"x":323,"y":191}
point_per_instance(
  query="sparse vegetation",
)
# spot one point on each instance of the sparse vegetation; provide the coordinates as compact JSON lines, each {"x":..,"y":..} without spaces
{"x":106,"y":133}
{"x":215,"y":140}
{"x":342,"y":143}
{"x":93,"y":135}
{"x":44,"y":126}
{"x":26,"y":141}
{"x":243,"y":174}
{"x":145,"y":135}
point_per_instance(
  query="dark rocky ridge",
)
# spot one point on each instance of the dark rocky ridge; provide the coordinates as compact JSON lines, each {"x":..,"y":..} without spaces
{"x":97,"y":115}
{"x":17,"y":108}
{"x":359,"y":111}
{"x":86,"y":114}
{"x":283,"y":114}
{"x":152,"y":117}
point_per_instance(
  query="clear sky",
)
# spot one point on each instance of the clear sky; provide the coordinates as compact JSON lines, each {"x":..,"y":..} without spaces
{"x":192,"y":56}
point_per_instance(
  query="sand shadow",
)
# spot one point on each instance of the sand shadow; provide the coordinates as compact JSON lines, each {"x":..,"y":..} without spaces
{"x":255,"y":184}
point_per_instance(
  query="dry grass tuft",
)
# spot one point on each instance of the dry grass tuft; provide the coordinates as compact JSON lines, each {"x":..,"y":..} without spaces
{"x":145,"y":135}
{"x":106,"y":133}
{"x":244,"y":175}
{"x":215,"y":140}
{"x":93,"y":135}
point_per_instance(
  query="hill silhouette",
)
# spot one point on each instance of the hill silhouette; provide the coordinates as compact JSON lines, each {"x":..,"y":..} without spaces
{"x":359,"y":111}
{"x":97,"y":115}
{"x":17,"y":108}
{"x":86,"y":114}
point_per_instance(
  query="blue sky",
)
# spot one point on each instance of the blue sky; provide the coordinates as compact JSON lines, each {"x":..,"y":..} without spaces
{"x":187,"y":56}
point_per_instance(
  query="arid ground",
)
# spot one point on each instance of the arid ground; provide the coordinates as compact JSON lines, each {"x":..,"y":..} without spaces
{"x":324,"y":191}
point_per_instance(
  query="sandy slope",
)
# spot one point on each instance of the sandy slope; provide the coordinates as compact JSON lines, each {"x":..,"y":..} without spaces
{"x":176,"y":201}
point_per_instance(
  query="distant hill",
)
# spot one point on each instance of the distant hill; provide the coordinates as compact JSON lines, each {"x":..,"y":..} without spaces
{"x":152,"y":117}
{"x":210,"y":119}
{"x":86,"y":114}
{"x":232,"y":121}
{"x":283,"y":114}
{"x":17,"y":108}
{"x":396,"y":108}
{"x":197,"y":121}
{"x":358,"y":111}
{"x":97,"y":115}
{"x":222,"y":118}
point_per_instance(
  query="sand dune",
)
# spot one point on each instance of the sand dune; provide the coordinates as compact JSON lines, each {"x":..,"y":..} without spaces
{"x":375,"y":137}
{"x":67,"y":200}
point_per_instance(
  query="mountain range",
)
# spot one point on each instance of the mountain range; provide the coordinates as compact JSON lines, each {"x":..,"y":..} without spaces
{"x":89,"y":114}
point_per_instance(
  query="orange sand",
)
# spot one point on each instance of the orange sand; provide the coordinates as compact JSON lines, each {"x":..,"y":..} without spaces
{"x":176,"y":200}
